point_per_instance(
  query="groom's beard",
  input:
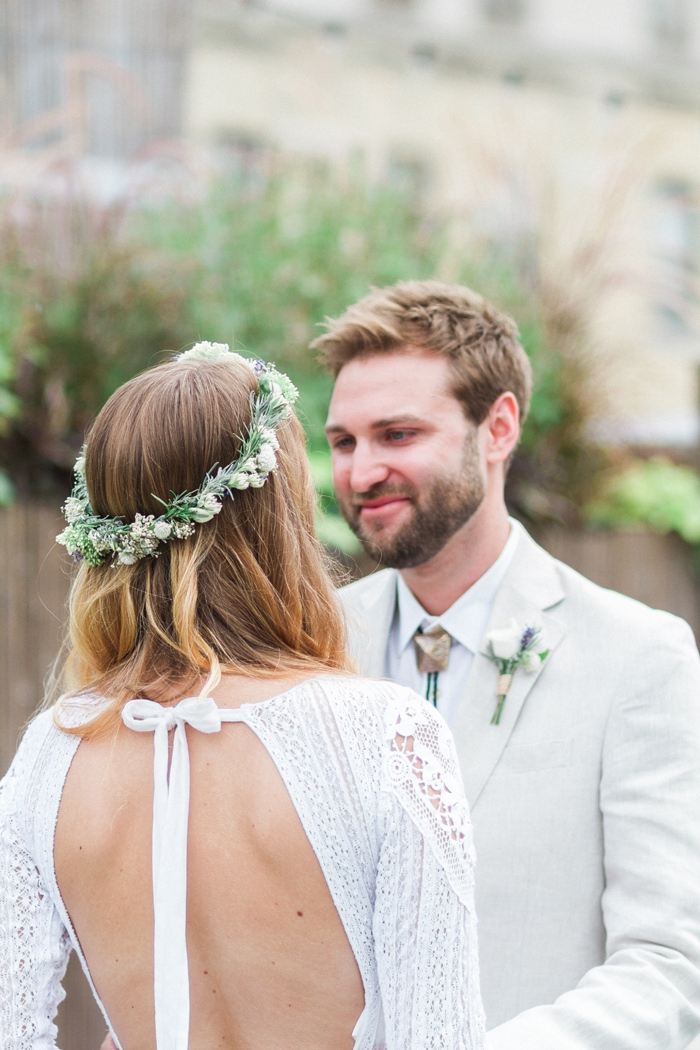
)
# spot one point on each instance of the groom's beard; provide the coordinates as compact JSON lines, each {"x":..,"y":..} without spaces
{"x":438,"y":512}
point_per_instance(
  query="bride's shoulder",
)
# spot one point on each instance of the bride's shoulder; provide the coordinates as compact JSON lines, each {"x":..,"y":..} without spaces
{"x":375,"y":698}
{"x":372,"y":690}
{"x":44,"y":730}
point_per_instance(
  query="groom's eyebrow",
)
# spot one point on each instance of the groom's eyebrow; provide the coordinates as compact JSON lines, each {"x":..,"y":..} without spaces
{"x":396,"y":420}
{"x":380,"y":424}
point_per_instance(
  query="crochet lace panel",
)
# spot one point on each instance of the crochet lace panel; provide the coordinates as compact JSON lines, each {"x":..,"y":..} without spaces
{"x":372,"y":773}
{"x":34,"y":944}
{"x":422,"y":771}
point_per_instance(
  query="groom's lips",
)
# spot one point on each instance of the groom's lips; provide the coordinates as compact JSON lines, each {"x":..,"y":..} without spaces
{"x":375,"y":508}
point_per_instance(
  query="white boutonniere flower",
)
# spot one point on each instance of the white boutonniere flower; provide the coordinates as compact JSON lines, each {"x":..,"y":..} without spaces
{"x":509,"y":648}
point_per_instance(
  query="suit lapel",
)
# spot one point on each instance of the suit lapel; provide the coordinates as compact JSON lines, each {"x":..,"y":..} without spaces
{"x":371,"y":622}
{"x":480,"y":744}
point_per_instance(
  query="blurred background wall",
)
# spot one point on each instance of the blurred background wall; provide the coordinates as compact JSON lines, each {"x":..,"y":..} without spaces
{"x":175,"y":170}
{"x":106,"y":77}
{"x":565,"y":127}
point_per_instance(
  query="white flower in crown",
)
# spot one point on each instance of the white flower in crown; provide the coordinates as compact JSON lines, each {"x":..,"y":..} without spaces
{"x":210,"y":352}
{"x":509,"y":648}
{"x":267,"y":459}
{"x":207,"y":506}
{"x":270,"y":438}
{"x":72,"y":509}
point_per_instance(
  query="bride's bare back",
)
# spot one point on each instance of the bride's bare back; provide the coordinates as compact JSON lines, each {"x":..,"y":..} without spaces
{"x":269,"y":961}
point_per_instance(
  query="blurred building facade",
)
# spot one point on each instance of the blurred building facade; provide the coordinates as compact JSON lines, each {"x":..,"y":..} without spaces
{"x":566,"y":132}
{"x":565,"y":128}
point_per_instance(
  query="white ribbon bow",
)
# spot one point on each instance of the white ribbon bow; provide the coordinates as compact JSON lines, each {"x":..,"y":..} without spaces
{"x":171,"y":803}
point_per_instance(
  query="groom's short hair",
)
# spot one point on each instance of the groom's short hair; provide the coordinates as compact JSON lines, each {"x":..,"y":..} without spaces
{"x":481,"y":342}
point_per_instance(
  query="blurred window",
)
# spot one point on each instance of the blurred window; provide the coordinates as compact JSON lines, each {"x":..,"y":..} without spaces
{"x":676,"y":236}
{"x":504,"y":12}
{"x":669,"y":23}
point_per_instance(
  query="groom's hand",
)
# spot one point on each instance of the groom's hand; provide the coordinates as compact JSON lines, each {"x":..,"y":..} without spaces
{"x":109,"y":1043}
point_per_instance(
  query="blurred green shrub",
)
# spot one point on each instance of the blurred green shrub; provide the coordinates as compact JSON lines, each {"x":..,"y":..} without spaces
{"x":82,"y":309}
{"x":267,"y":262}
{"x":89,"y":297}
{"x":655,"y":493}
{"x":332,"y":529}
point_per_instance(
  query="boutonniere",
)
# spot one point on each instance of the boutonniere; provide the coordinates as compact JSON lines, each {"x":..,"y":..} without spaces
{"x":510,"y":648}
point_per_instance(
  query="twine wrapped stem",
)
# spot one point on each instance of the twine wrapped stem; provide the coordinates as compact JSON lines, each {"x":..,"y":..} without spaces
{"x":504,"y":684}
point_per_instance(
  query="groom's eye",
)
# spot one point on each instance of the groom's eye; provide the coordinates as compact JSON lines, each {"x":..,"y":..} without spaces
{"x":397,"y":436}
{"x":344,"y":444}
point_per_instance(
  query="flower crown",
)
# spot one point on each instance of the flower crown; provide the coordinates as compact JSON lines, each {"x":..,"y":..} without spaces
{"x":96,"y":539}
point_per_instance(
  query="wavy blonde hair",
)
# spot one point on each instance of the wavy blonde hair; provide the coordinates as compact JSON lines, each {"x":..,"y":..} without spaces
{"x":249,"y":593}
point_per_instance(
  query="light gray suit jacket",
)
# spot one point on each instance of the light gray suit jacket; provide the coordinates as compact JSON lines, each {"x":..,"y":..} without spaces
{"x":586,"y":809}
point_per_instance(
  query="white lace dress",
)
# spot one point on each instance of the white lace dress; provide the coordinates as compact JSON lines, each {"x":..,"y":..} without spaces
{"x":372,"y":772}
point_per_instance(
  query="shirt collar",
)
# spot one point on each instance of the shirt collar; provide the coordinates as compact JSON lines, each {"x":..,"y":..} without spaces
{"x":466,"y":619}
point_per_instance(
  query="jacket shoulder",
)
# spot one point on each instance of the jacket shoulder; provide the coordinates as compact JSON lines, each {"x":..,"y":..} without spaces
{"x":359,"y":592}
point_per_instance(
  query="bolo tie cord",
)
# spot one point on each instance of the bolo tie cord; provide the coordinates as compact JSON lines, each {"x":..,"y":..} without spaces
{"x":431,"y":687}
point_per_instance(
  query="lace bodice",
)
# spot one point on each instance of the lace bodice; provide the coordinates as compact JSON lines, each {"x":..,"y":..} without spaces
{"x":372,"y":772}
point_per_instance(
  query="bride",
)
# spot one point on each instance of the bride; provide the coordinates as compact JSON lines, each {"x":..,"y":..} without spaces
{"x":247,"y":846}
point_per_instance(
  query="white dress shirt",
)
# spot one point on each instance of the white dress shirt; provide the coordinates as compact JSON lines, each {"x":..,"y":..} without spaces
{"x":465,"y":621}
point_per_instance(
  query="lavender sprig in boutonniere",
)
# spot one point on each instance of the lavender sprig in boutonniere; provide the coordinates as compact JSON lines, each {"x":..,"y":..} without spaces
{"x":510,"y":648}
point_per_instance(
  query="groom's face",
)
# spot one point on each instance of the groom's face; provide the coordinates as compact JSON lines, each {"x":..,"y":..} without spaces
{"x":408,"y":466}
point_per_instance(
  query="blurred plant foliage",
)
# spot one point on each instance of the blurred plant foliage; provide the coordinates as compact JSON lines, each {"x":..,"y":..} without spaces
{"x":268,"y":261}
{"x":82,"y":309}
{"x":90,"y":296}
{"x":656,"y":492}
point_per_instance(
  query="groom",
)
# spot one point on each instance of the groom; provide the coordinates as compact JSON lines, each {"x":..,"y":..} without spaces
{"x":585,"y":796}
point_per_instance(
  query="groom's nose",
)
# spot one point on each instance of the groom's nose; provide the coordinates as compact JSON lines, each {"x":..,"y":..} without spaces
{"x":365,"y":468}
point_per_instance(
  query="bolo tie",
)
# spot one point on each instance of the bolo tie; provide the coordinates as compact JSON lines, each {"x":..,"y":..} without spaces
{"x":432,"y":656}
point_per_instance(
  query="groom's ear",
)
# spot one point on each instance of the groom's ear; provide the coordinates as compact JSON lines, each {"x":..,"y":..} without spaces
{"x":501,"y":428}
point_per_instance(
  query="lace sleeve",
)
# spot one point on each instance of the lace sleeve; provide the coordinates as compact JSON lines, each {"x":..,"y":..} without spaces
{"x":424,"y":922}
{"x":34,"y":945}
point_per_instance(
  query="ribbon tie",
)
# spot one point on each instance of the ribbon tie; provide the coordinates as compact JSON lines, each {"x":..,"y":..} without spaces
{"x":171,"y":804}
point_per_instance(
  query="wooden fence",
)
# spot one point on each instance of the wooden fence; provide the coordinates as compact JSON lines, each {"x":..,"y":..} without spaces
{"x":33,"y":589}
{"x":656,"y":570}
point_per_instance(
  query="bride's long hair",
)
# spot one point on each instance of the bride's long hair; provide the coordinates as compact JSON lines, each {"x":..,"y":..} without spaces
{"x":248,"y":593}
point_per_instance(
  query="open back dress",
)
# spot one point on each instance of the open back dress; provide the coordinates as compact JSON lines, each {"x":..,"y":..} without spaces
{"x":372,"y":772}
